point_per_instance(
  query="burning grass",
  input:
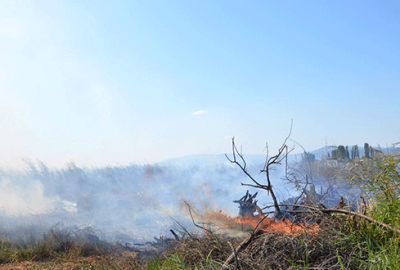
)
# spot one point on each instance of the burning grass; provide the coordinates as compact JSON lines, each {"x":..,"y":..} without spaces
{"x":61,"y":248}
{"x":267,"y":250}
{"x":282,"y":226}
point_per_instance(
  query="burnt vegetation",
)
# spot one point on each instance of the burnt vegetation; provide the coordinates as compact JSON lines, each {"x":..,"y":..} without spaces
{"x":356,"y":229}
{"x":322,"y":227}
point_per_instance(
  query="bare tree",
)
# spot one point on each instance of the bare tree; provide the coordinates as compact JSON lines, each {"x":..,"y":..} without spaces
{"x":277,"y":159}
{"x":309,"y":173}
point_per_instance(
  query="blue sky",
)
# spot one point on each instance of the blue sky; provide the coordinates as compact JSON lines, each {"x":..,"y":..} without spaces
{"x":118,"y":82}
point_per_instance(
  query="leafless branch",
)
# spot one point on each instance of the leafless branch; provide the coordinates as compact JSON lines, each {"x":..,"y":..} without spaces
{"x":240,"y":165}
{"x":235,"y":255}
{"x":194,"y":223}
{"x":201,"y":227}
{"x":269,"y":162}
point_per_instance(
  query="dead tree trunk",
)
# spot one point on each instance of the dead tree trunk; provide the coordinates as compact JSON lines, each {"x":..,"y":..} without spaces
{"x":247,"y":206}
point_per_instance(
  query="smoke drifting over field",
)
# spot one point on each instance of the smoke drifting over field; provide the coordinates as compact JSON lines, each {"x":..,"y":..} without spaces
{"x":129,"y":203}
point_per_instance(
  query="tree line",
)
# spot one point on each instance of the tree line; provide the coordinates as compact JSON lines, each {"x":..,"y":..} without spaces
{"x":342,"y":152}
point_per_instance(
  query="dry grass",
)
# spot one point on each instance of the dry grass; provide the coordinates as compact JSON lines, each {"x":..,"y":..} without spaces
{"x":267,"y":251}
{"x":65,"y":249}
{"x":60,"y":250}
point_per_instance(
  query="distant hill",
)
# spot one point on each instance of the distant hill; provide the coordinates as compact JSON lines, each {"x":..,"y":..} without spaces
{"x":205,"y":160}
{"x":209,"y":160}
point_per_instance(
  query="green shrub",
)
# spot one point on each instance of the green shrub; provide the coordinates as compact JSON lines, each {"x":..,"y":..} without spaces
{"x":374,"y":246}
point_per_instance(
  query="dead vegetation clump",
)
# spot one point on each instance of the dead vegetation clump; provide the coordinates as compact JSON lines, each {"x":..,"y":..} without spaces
{"x":63,"y":246}
{"x":201,"y":251}
{"x":268,"y":250}
{"x":274,"y":251}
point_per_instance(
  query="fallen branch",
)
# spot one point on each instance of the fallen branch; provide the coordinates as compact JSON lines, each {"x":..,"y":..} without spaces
{"x":235,"y":254}
{"x":244,"y":243}
{"x":240,"y":247}
{"x":335,"y":210}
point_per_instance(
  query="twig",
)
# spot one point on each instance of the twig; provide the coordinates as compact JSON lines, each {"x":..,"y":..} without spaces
{"x":175,"y":235}
{"x":244,"y":243}
{"x":182,"y":227}
{"x":235,"y":255}
{"x":194,"y":223}
{"x":241,"y":246}
{"x":201,"y":227}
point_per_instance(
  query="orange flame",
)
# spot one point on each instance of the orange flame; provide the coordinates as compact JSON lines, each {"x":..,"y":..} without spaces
{"x":278,"y":226}
{"x":249,"y":223}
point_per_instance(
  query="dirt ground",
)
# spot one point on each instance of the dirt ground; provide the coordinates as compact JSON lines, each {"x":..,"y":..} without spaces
{"x":94,"y":262}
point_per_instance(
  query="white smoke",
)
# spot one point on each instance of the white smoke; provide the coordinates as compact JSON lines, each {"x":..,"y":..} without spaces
{"x":23,"y":198}
{"x":138,"y":201}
